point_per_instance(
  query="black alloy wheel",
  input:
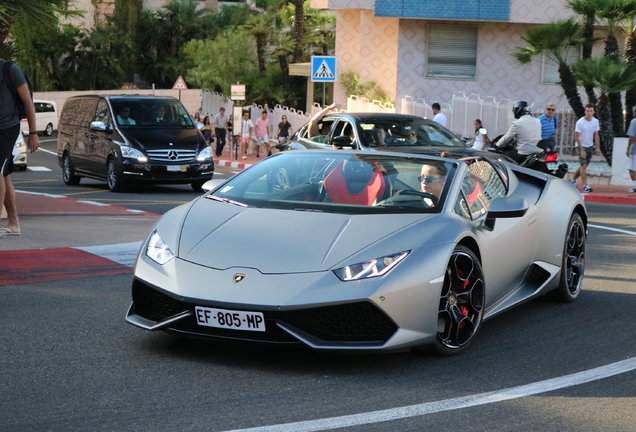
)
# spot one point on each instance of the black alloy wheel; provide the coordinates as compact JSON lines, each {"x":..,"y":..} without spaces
{"x":114,"y":177}
{"x":68,"y":172}
{"x":573,"y":266}
{"x":461,"y":303}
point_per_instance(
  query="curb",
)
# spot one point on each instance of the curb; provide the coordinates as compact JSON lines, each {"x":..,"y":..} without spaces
{"x":609,"y":199}
{"x":231,"y":164}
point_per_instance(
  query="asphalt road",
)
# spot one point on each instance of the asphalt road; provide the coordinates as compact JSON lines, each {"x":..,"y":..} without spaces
{"x":70,"y":363}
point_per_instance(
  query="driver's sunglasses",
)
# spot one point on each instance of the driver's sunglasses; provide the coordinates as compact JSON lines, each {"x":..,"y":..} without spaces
{"x":428,"y":178}
{"x":550,"y":109}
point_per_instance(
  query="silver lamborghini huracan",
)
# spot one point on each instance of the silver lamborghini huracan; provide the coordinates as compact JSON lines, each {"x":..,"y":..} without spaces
{"x":360,"y":250}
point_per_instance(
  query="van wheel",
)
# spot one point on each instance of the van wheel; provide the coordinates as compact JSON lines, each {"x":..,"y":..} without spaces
{"x":197,"y":186}
{"x":68,"y":172}
{"x":49,"y":130}
{"x":114,"y":177}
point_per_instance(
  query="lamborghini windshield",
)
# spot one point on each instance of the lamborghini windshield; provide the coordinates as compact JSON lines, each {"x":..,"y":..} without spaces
{"x":342,"y":182}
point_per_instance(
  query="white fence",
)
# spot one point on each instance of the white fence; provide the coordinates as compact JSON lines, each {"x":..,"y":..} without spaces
{"x":463,"y":110}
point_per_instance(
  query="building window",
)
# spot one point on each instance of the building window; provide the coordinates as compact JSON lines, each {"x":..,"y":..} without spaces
{"x":452,"y":51}
{"x":551,"y":67}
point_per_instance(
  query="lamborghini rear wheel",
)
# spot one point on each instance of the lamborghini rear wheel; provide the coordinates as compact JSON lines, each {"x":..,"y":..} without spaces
{"x":461,"y":303}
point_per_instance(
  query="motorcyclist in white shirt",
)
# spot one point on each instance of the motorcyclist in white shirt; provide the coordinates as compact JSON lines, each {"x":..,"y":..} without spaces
{"x":526,"y":130}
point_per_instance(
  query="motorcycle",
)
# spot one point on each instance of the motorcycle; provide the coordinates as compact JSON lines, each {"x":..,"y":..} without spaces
{"x":535,"y":161}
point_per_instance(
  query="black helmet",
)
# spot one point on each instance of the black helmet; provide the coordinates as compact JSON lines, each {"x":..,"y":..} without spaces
{"x":520,"y":108}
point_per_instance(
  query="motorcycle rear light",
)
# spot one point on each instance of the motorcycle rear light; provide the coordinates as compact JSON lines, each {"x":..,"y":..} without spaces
{"x":552,"y":157}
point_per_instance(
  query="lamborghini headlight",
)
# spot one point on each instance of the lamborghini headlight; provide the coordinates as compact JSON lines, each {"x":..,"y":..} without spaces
{"x":157,"y":249}
{"x":372,"y":268}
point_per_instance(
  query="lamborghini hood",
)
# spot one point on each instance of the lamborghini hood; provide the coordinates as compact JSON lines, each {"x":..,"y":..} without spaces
{"x":223,"y":236}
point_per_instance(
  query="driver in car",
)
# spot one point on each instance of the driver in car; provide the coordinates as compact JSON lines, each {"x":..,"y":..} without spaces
{"x":432,"y":178}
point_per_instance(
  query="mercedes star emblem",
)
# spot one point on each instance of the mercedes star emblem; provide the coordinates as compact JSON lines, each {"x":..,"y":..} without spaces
{"x":172,"y":155}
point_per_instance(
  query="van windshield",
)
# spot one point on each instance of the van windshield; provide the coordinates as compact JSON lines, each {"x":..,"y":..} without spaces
{"x":151,"y":112}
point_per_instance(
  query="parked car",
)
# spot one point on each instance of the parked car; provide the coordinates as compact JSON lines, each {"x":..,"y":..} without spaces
{"x":46,"y":120}
{"x":125,"y":139}
{"x":368,"y":251}
{"x":20,"y":153}
{"x":382,"y":132}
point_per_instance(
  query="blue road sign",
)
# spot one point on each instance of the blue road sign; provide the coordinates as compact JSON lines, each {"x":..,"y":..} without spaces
{"x":323,"y":69}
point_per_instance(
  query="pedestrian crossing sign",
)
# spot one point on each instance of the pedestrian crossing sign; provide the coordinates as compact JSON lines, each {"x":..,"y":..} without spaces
{"x":323,"y":69}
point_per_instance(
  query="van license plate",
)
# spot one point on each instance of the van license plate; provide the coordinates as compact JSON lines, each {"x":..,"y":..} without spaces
{"x":230,"y":319}
{"x":175,"y":168}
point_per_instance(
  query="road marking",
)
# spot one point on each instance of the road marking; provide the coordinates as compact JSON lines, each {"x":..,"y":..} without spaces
{"x":47,"y":151}
{"x":613,"y":229}
{"x":38,"y":168}
{"x":453,"y":404}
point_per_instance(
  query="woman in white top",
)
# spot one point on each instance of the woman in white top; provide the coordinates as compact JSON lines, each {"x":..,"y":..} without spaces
{"x":481,"y":140}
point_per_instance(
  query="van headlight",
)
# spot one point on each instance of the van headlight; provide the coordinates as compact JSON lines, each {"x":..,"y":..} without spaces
{"x":205,"y":154}
{"x":370,"y":269}
{"x":133,"y":153}
{"x":157,"y":250}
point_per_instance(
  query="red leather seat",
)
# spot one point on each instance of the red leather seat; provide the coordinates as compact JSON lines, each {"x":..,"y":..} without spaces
{"x":355,"y":182}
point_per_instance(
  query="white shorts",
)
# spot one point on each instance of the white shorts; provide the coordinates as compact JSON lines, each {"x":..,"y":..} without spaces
{"x":263,"y":140}
{"x":631,"y":164}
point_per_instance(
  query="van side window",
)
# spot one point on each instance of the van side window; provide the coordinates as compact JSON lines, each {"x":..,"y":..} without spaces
{"x":102,"y":112}
{"x":47,"y":107}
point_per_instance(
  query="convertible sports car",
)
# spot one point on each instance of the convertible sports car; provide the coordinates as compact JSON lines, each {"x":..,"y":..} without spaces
{"x":360,"y":250}
{"x":383,"y":132}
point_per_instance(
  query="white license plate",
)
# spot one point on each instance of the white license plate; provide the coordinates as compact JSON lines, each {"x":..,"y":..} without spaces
{"x":230,"y":319}
{"x":175,"y":168}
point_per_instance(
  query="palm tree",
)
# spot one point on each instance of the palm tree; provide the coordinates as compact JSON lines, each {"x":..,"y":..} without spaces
{"x":611,"y":14}
{"x":554,"y":40}
{"x":321,"y":28}
{"x":587,"y":10}
{"x":283,"y":45}
{"x":260,"y":27}
{"x":610,"y":76}
{"x":42,"y":11}
{"x":299,"y":24}
{"x":630,"y":57}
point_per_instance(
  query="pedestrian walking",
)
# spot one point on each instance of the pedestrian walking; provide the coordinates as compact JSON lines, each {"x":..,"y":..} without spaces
{"x":481,"y":139}
{"x":283,"y":131}
{"x":588,"y":142}
{"x":549,"y":123}
{"x":206,"y":129}
{"x":220,"y":130}
{"x":631,"y":151}
{"x":247,"y":128}
{"x":439,"y":117}
{"x":16,"y":90}
{"x":262,"y":134}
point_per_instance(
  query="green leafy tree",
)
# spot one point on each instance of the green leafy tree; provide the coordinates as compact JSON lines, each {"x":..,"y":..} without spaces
{"x":610,"y":76}
{"x":222,"y":61}
{"x":554,"y":40}
{"x":160,"y":36}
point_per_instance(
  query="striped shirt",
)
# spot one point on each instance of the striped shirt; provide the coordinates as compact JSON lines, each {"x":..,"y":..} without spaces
{"x":548,"y":126}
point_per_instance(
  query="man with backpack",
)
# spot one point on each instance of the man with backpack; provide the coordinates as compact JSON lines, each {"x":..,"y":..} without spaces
{"x":16,"y":102}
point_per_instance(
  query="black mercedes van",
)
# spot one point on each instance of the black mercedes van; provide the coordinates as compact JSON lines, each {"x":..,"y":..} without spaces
{"x":124,"y":139}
